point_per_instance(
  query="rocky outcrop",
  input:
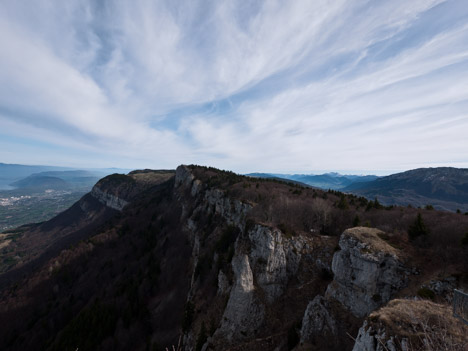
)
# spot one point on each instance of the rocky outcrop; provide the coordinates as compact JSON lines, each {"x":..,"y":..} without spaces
{"x":443,"y":287}
{"x":213,"y":200}
{"x":317,"y":320}
{"x":268,"y":255}
{"x":420,"y":324}
{"x":183,"y":176}
{"x":266,"y":263}
{"x":370,"y":339}
{"x":244,"y":313}
{"x":108,"y":199}
{"x":367,"y":271}
{"x":117,"y":190}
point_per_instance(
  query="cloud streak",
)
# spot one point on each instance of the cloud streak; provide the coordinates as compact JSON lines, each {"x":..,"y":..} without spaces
{"x":273,"y":86}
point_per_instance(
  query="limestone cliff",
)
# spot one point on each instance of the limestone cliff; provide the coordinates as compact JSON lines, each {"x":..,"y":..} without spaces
{"x":367,"y":271}
{"x":108,"y":199}
{"x":266,"y":265}
{"x":221,"y":261}
{"x":244,"y":312}
{"x":117,"y":190}
{"x":318,"y":320}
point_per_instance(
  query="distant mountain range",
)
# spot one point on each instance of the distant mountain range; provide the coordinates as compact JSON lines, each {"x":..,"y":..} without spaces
{"x":57,"y":180}
{"x":37,"y":193}
{"x":228,"y":262}
{"x":444,"y":188}
{"x":15,"y":176}
{"x":325,"y":181}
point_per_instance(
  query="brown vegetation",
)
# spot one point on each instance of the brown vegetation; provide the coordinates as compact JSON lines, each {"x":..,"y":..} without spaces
{"x":132,"y":270}
{"x":424,"y":324}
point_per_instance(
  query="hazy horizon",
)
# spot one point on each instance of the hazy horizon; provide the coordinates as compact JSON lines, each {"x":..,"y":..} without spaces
{"x":275,"y":87}
{"x":272,"y":172}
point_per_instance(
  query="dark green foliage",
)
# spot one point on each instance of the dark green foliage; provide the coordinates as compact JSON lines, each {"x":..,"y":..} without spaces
{"x":202,"y":337}
{"x":377,"y":204}
{"x":65,"y":276}
{"x":374,"y":204}
{"x":356,"y":221}
{"x":227,"y":239}
{"x":326,"y":275}
{"x":154,"y":270}
{"x":293,"y":335}
{"x":188,"y":316}
{"x":418,"y":228}
{"x":343,"y":204}
{"x":464,"y":240}
{"x":230,"y":254}
{"x":221,"y":178}
{"x":124,"y":229}
{"x":287,"y":230}
{"x":118,"y":178}
{"x":363,"y":201}
{"x":204,"y":265}
{"x":429,"y":207}
{"x":150,"y":237}
{"x":87,"y":330}
{"x":426,"y":293}
{"x":249,"y":225}
{"x":458,"y":210}
{"x":212,"y":327}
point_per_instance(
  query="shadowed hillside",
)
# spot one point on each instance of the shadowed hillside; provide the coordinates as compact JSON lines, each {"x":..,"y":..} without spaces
{"x":444,"y":188}
{"x":221,"y":262}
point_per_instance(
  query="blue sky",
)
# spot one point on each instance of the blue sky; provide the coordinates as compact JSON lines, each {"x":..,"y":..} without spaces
{"x":273,"y":86}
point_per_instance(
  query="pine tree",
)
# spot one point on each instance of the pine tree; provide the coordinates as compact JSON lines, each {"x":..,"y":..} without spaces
{"x":343,"y":204}
{"x":202,"y":337}
{"x":418,"y":228}
{"x":356,"y":221}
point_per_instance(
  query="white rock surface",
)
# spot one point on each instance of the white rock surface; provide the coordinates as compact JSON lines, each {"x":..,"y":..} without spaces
{"x":269,"y":259}
{"x":109,"y":200}
{"x":243,"y":313}
{"x":317,"y":320}
{"x":369,"y":339}
{"x":364,"y":279}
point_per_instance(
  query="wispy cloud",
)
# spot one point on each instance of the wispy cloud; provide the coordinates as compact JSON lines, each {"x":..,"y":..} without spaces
{"x":245,"y":85}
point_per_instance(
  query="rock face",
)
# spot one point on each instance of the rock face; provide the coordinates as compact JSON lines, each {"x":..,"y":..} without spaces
{"x":244,"y":313}
{"x":117,"y":190}
{"x":443,"y":287}
{"x":412,"y":325}
{"x":370,"y":339}
{"x":367,"y":271}
{"x":274,"y":260}
{"x":108,"y":200}
{"x":264,"y":262}
{"x":317,"y":320}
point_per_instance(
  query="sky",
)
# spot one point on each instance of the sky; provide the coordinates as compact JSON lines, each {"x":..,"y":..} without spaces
{"x":250,"y":86}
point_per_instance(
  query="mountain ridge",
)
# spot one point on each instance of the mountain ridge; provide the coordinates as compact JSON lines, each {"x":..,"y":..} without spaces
{"x":444,"y":188}
{"x":221,"y":260}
